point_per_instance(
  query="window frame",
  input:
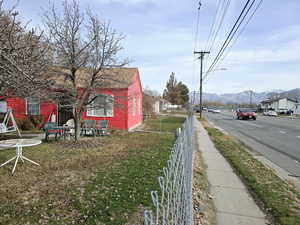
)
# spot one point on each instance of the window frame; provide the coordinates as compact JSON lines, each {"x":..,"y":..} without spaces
{"x":28,"y":104}
{"x":91,"y":112}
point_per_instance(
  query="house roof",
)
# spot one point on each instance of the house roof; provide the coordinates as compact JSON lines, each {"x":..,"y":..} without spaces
{"x":156,"y":98}
{"x":277,"y":99}
{"x":108,"y":78}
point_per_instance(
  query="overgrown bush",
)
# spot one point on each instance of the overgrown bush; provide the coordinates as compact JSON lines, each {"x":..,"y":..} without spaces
{"x":36,"y":120}
{"x":25,"y":124}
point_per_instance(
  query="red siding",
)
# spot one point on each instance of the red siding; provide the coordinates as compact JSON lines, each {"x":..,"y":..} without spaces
{"x":122,"y":118}
{"x":18,"y":106}
{"x":135,"y":91}
{"x":119,"y":118}
{"x":46,"y":109}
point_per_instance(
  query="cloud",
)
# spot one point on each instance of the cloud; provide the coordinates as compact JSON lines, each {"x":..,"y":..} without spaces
{"x":288,"y":33}
{"x":127,"y":1}
{"x":285,"y":52}
{"x":160,"y":40}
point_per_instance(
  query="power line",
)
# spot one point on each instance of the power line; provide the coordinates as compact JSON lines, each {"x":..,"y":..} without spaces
{"x":220,"y":23}
{"x":231,"y":34}
{"x":240,"y":32}
{"x":217,"y":25}
{"x":243,"y":29}
{"x":197,"y":25}
{"x":213,"y":24}
{"x":195,"y":46}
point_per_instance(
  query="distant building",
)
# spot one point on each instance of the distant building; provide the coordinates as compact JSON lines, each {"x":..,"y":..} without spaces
{"x":280,"y":105}
{"x":296,"y":110}
{"x":174,"y":107}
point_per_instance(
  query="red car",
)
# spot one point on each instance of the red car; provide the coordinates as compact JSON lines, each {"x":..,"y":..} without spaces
{"x":245,"y":114}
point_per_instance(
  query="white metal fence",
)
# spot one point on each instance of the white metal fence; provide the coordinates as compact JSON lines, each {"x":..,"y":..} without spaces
{"x":173,"y":203}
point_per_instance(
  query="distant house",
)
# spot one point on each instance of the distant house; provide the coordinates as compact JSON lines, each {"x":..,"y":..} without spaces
{"x":122,"y":93}
{"x":280,"y":105}
{"x":154,"y":104}
{"x":296,"y":110}
{"x":164,"y":104}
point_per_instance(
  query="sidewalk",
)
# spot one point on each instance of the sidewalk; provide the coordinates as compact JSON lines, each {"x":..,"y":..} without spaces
{"x":233,"y":203}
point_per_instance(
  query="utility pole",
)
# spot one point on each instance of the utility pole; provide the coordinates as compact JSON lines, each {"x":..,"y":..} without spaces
{"x":202,"y":53}
{"x":251,"y":93}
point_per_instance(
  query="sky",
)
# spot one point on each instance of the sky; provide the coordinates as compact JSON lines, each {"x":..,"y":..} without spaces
{"x":161,"y":38}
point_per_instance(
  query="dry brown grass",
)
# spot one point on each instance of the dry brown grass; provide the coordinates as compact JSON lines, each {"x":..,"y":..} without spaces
{"x":104,"y":180}
{"x":62,"y":168}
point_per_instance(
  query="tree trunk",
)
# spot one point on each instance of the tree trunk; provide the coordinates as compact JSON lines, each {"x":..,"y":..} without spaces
{"x":77,"y":120}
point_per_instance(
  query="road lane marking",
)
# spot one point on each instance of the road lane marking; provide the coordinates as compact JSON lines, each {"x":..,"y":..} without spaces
{"x":251,"y":124}
{"x":298,"y":136}
{"x":282,"y":132}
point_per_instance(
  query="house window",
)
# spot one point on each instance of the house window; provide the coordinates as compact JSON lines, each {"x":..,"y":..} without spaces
{"x":102,"y":106}
{"x":33,"y":106}
{"x":133,"y":106}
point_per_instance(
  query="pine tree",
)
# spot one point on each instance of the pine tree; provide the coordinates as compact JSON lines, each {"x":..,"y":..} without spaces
{"x":170,"y":93}
{"x":176,"y":93}
{"x":183,"y":93}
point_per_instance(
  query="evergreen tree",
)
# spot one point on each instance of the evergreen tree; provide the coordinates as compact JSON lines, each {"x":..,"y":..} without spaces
{"x":176,"y":93}
{"x":170,"y":93}
{"x":183,"y":93}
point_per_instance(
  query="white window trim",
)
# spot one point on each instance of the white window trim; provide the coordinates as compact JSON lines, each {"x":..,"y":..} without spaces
{"x":90,"y":112}
{"x":26,"y":107}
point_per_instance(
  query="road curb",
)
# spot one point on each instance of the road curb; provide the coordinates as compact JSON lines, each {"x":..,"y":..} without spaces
{"x":280,"y":172}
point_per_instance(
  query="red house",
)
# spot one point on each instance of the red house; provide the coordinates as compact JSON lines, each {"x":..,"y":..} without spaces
{"x":122,"y":111}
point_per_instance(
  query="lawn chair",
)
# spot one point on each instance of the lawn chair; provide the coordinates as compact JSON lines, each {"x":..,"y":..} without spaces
{"x":51,"y":128}
{"x":88,"y":128}
{"x":102,"y":127}
{"x":69,"y":128}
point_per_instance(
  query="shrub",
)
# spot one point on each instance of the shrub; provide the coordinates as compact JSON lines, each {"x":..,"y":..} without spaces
{"x":25,"y":124}
{"x":36,"y":120}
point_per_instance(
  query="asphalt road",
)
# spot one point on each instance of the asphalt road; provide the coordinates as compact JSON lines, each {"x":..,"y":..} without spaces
{"x":277,"y":139}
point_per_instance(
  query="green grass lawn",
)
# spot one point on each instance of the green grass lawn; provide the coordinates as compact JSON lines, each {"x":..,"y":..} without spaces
{"x":279,"y":198}
{"x":164,"y":123}
{"x":104,"y":180}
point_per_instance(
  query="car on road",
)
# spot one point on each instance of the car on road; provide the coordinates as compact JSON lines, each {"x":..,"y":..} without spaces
{"x":196,"y":109}
{"x":270,"y":113}
{"x":216,"y":111}
{"x":245,"y":114}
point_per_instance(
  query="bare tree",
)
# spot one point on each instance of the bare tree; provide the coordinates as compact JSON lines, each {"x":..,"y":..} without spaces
{"x":84,"y":48}
{"x":23,"y":57}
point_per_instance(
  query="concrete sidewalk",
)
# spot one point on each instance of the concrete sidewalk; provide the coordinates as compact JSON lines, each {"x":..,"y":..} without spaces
{"x":234,"y":205}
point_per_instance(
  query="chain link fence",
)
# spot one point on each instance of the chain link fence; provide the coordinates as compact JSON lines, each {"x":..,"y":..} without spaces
{"x":173,"y":203}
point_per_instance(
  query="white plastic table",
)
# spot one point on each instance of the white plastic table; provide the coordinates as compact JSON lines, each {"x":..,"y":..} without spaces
{"x":19,"y":144}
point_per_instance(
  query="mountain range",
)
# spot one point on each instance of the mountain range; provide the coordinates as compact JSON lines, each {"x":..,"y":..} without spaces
{"x":245,"y":96}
